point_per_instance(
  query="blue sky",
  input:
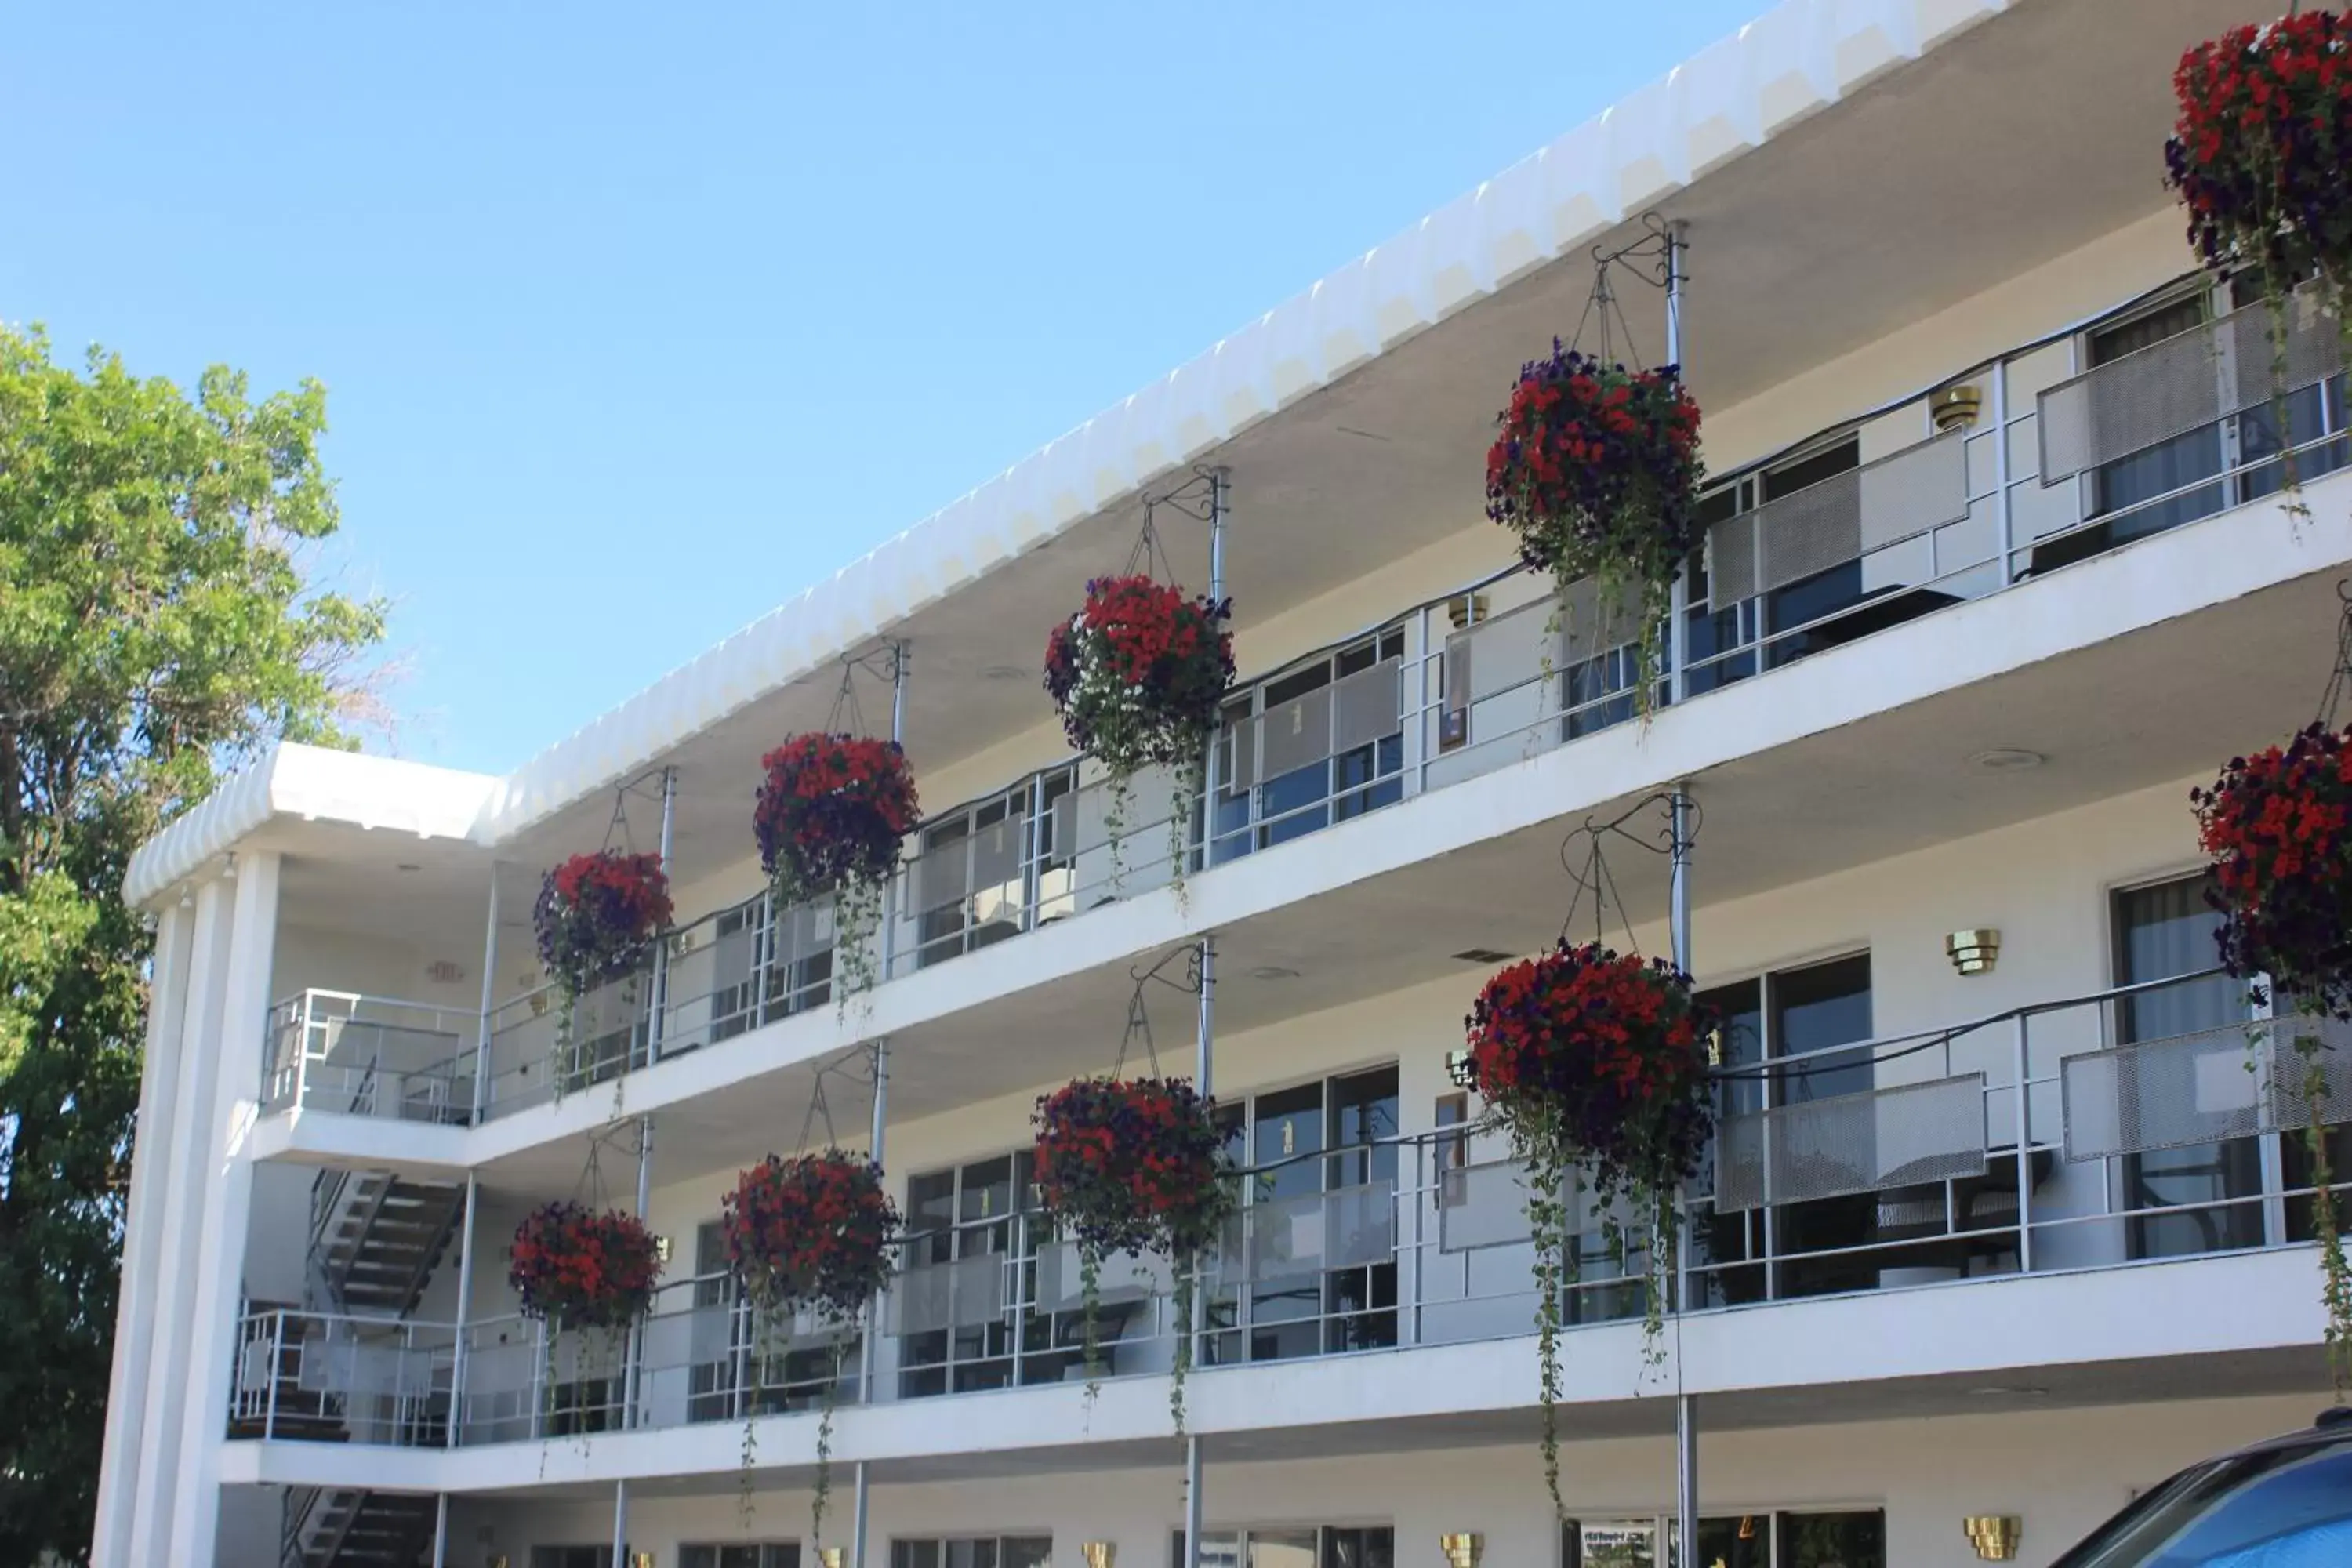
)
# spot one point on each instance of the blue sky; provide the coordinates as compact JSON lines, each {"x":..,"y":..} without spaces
{"x":635,"y":319}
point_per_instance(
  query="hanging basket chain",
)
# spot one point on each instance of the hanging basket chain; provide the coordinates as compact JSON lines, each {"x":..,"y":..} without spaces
{"x":1598,"y":880}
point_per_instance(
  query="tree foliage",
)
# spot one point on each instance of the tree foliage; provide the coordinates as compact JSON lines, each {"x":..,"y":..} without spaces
{"x":158,"y":624}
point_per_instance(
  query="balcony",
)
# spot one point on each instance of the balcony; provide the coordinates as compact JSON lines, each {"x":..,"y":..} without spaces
{"x":1810,"y":551}
{"x":2045,"y":1139}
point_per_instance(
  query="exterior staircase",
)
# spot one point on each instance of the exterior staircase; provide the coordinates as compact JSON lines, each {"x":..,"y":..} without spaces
{"x":331,"y":1528}
{"x":376,"y":1237}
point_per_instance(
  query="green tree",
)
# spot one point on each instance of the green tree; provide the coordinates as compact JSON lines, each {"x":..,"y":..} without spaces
{"x":158,"y":624}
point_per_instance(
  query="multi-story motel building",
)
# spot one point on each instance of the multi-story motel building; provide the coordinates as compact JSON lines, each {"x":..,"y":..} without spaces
{"x":1997,"y":568}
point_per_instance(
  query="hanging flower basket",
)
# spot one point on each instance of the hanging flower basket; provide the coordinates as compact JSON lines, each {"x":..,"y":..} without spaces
{"x":811,"y":1234}
{"x":1138,"y":676}
{"x":2278,"y":826}
{"x":2258,"y":157}
{"x":599,"y":917}
{"x":1596,"y":469}
{"x":583,"y":1268}
{"x":1593,"y":1063}
{"x":1134,"y":1165}
{"x":2259,"y":152}
{"x":831,"y":818}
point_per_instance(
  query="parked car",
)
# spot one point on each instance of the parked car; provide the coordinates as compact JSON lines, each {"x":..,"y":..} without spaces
{"x":2285,"y":1503}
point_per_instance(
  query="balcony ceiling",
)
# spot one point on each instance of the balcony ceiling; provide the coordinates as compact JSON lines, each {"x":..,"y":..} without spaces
{"x":1988,"y":156}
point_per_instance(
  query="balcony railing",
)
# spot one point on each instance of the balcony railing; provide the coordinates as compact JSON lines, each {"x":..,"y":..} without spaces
{"x":371,"y":1055}
{"x":2146,"y":1122}
{"x":2062,"y":466}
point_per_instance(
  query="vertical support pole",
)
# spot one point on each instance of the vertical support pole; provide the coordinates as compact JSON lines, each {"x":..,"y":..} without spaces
{"x":869,"y":1343}
{"x":1678,"y":632}
{"x":441,"y":1531}
{"x":276,"y":1372}
{"x":465,"y":1301}
{"x":1204,"y":1084}
{"x":1220,"y":504}
{"x":1685,"y":1404}
{"x":1193,"y":1555}
{"x":858,"y":1517}
{"x":892,"y":900}
{"x":2024,"y":1149}
{"x":490,"y":1003}
{"x":633,"y":1382}
{"x":2000,"y":471}
{"x":764,"y":959}
{"x":660,"y":1021}
{"x":621,"y":1522}
{"x":539,"y":1371}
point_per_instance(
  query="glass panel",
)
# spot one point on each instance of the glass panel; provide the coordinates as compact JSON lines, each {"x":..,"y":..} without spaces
{"x":1812,"y":1008}
{"x":1027,"y":1552}
{"x":1614,"y":1544}
{"x":1742,"y":1542}
{"x":1727,"y":1239}
{"x":1833,"y":1539}
{"x":1373,"y":1547}
{"x":1282,"y":1549}
{"x":2161,"y":931}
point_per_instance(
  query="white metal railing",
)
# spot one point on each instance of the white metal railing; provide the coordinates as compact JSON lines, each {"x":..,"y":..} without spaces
{"x":1951,"y":1155}
{"x":1473,"y":680}
{"x":370,"y":1056}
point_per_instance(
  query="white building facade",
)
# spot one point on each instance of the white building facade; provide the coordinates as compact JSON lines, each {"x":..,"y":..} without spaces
{"x":1998,"y":567}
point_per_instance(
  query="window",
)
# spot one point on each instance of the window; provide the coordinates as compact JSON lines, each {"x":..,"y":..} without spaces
{"x":571,"y":1557}
{"x":1847,"y":1540}
{"x":971,"y":884}
{"x":1322,"y":1162}
{"x":973,"y":1313}
{"x":1804,"y":1014}
{"x":1319,"y":745}
{"x":2161,"y":932}
{"x":742,"y":1554}
{"x":974,"y":1552}
{"x":1305,"y":1546}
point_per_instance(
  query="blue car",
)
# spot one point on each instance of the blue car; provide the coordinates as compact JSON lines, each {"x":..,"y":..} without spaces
{"x":2286,"y":1503}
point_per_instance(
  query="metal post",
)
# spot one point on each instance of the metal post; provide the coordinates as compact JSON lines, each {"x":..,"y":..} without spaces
{"x":857,"y":1519}
{"x":490,"y":1003}
{"x":763,"y":956}
{"x":1204,"y":1082}
{"x":441,"y":1530}
{"x":1220,"y":503}
{"x":869,"y":1343}
{"x":1678,"y":630}
{"x":277,"y":1371}
{"x":539,"y":1371}
{"x":1193,"y":1556}
{"x":464,"y":1299}
{"x":1685,"y":1404}
{"x":1999,"y":470}
{"x":892,"y":889}
{"x":620,"y":1522}
{"x":2024,"y":1151}
{"x":637,"y":1333}
{"x":659,"y":1022}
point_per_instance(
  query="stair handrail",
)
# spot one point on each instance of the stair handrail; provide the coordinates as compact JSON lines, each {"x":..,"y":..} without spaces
{"x":299,"y":1504}
{"x":333,"y":1542}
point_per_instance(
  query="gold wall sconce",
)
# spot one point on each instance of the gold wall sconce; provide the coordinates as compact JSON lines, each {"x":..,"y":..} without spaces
{"x":1100,"y":1553}
{"x":1995,"y":1535}
{"x":832,"y":1556}
{"x":1462,"y":1549}
{"x":1955,"y":405}
{"x":1464,"y":610}
{"x":1973,"y":951}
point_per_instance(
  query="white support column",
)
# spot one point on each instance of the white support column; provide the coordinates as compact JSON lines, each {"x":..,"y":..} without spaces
{"x":483,"y":1071}
{"x":869,"y":1348}
{"x":142,"y":1239}
{"x":631,"y":1382}
{"x":464,"y":1311}
{"x":1193,"y":1517}
{"x":1204,"y":1078}
{"x":859,"y":1502}
{"x":1678,"y":916}
{"x":174,"y":1263}
{"x":226,"y":1205}
{"x":621,"y":1523}
{"x":658,"y":1022}
{"x":1678,"y":627}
